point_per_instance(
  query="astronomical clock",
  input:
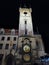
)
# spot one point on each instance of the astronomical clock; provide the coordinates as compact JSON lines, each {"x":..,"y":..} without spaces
{"x":26,"y":49}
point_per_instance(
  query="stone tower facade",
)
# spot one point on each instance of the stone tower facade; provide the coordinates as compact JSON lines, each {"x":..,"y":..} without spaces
{"x":25,"y":22}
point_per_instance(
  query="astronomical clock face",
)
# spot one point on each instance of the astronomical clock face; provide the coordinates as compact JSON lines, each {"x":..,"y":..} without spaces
{"x":26,"y":57}
{"x":26,"y":48}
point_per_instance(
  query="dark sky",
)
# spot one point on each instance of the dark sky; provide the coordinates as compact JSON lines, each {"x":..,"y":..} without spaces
{"x":9,"y":16}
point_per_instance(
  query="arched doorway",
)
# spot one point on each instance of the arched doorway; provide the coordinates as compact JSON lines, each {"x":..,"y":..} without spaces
{"x":9,"y":59}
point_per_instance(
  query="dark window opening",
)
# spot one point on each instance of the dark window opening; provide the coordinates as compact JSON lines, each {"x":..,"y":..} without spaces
{"x":25,"y":13}
{"x":1,"y":57}
{"x":7,"y":46}
{"x":37,"y":45}
{"x":14,"y":38}
{"x":3,"y":38}
{"x":25,"y":27}
{"x":25,"y":22}
{"x":1,"y":46}
{"x":14,"y":46}
{"x":8,"y":38}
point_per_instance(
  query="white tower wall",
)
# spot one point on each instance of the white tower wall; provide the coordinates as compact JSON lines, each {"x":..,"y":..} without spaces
{"x":25,"y":15}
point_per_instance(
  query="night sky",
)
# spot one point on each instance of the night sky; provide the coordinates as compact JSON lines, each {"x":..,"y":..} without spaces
{"x":9,"y":16}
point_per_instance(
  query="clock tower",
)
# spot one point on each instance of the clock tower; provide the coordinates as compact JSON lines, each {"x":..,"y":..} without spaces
{"x":30,"y":45}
